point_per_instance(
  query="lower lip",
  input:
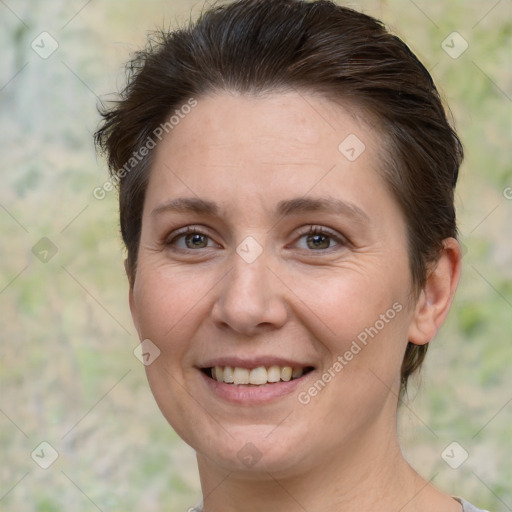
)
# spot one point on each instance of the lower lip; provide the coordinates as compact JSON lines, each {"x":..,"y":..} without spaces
{"x":249,"y":394}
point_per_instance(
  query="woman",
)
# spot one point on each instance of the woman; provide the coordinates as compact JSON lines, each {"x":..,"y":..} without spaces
{"x":286,"y":174}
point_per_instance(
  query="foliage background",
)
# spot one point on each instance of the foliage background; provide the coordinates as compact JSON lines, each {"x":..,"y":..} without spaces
{"x":67,"y":373}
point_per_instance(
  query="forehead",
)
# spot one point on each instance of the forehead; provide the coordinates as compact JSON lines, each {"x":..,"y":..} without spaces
{"x":269,"y":123}
{"x":265,"y":146}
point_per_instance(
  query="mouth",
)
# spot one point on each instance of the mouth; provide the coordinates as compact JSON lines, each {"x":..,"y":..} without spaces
{"x":259,"y":376}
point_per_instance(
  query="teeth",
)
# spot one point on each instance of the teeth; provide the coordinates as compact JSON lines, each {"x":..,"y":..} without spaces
{"x":286,"y":373}
{"x":241,"y":376}
{"x":256,"y":376}
{"x":274,"y":374}
{"x":228,"y":375}
{"x":297,"y":372}
{"x":218,"y":373}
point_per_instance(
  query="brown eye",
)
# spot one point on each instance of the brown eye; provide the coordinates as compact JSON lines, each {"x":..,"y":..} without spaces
{"x":319,"y":239}
{"x":190,"y":239}
{"x":196,"y":241}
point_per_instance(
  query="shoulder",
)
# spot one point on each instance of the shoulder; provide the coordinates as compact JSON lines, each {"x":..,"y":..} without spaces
{"x":467,"y":507}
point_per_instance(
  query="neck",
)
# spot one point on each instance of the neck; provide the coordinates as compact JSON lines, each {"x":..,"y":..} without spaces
{"x":367,"y":473}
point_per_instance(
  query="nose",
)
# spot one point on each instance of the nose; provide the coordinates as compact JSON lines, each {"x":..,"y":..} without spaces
{"x":250,"y":299}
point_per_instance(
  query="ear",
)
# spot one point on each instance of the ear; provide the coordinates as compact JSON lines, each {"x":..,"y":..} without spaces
{"x":131,"y":300}
{"x":436,"y":297}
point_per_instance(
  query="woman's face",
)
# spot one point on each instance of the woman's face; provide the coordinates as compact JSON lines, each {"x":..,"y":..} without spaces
{"x":230,"y":276}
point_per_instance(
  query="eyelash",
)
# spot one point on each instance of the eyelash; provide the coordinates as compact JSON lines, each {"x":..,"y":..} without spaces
{"x":310,"y":230}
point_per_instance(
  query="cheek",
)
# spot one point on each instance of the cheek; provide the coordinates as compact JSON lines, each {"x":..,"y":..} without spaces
{"x":360,"y":320}
{"x":346,"y":302}
{"x":165,"y":301}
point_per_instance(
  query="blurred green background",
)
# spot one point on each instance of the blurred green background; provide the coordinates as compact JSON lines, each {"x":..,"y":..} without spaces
{"x":68,"y":375}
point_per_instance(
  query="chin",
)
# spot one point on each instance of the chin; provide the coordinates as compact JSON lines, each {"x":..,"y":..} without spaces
{"x":254,"y":460}
{"x":255,"y":451}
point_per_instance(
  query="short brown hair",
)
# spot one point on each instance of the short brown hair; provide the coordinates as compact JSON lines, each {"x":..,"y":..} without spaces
{"x":252,"y":46}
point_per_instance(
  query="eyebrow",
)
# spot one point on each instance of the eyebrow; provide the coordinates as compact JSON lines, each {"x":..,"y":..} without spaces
{"x":284,"y":208}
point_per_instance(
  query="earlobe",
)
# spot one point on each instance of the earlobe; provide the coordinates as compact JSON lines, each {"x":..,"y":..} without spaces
{"x":437,"y":295}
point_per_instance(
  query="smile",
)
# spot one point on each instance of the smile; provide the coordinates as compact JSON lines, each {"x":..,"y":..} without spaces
{"x":259,"y":376}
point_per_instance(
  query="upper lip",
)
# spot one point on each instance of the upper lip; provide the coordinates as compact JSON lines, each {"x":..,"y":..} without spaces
{"x":253,"y":362}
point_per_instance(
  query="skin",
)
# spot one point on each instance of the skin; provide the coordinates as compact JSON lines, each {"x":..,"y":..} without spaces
{"x":340,"y":451}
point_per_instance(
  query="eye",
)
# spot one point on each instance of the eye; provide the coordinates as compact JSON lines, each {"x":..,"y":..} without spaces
{"x":318,"y":239}
{"x":190,"y":238}
{"x":313,"y":238}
